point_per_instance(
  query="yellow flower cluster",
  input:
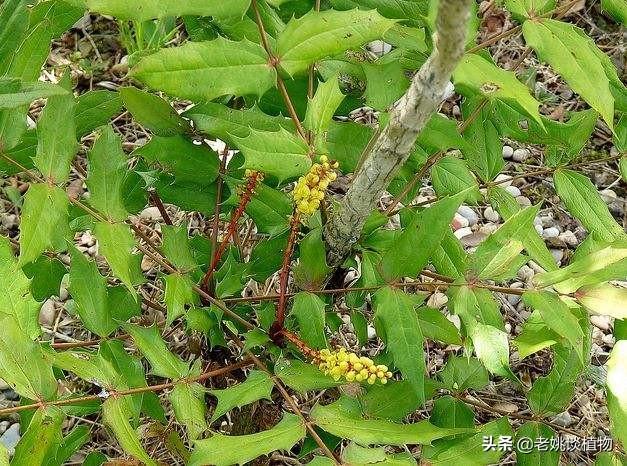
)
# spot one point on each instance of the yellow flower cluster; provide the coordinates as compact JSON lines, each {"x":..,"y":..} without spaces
{"x":353,"y":368}
{"x":309,"y":190}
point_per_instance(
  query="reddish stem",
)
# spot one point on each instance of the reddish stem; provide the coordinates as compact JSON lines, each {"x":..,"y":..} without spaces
{"x":247,"y":195}
{"x":277,"y":327}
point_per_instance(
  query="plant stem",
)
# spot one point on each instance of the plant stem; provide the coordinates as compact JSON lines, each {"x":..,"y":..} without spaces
{"x":274,"y":62}
{"x":278,"y":324}
{"x":156,"y":201}
{"x":132,"y":391}
{"x":245,"y":198}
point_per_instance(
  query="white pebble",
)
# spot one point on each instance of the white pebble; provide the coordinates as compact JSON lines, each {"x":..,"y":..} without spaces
{"x":569,"y":238}
{"x":525,"y":273}
{"x":459,"y":221}
{"x":469,"y":214}
{"x":150,"y":214}
{"x":372,"y":334}
{"x":523,"y":201}
{"x":551,"y":232}
{"x":539,"y":229}
{"x":520,"y":155}
{"x":488,"y":228}
{"x":437,"y":300}
{"x":537,"y":221}
{"x":513,"y":190}
{"x":463,"y":232}
{"x":558,"y":255}
{"x":491,"y":215}
{"x":47,"y":313}
{"x":503,"y":180}
{"x":508,"y":151}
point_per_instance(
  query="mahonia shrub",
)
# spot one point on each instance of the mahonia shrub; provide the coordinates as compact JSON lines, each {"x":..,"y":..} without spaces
{"x":283,"y":147}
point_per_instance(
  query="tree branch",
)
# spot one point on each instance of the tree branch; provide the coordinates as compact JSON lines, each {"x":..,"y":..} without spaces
{"x":408,"y":117}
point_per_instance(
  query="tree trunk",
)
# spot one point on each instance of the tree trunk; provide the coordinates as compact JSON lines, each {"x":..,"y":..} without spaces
{"x":393,"y":146}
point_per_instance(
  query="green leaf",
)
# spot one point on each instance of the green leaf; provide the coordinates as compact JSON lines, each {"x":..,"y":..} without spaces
{"x":257,"y":386}
{"x":498,"y":256}
{"x":604,"y":299}
{"x":270,"y":209}
{"x":321,"y":108}
{"x":15,"y":94}
{"x":178,"y":293}
{"x":71,"y":443}
{"x":571,"y":53}
{"x":196,"y":70}
{"x":507,"y":206}
{"x":435,"y":326}
{"x":451,"y":412}
{"x":41,"y":439}
{"x":153,"y":112}
{"x":609,"y":459}
{"x":56,"y":133}
{"x":176,"y":247}
{"x":44,"y":224}
{"x":475,"y":75}
{"x":525,"y":9}
{"x":557,"y":317}
{"x":617,"y":9}
{"x":450,"y":176}
{"x":343,"y":419}
{"x":397,"y":9}
{"x":22,"y":364}
{"x":492,"y":349}
{"x":188,"y":401}
{"x":107,"y":169}
{"x":179,"y":156}
{"x":142,"y":10}
{"x":308,"y":309}
{"x":318,"y":35}
{"x":163,"y":362}
{"x":14,"y":20}
{"x":450,"y":258}
{"x":483,"y":152}
{"x":116,"y":244}
{"x":116,"y":413}
{"x":356,"y":455}
{"x":474,"y":305}
{"x":302,"y":377}
{"x":89,"y":291}
{"x":280,"y":154}
{"x":397,"y":320}
{"x":584,"y":202}
{"x":534,"y":430}
{"x":617,"y":391}
{"x":427,"y":228}
{"x":222,"y":122}
{"x":15,"y":299}
{"x":46,"y":274}
{"x":623,"y":168}
{"x":385,"y":83}
{"x":95,"y":109}
{"x":312,"y":270}
{"x":441,"y":133}
{"x":535,"y":335}
{"x":461,"y":373}
{"x":393,"y":401}
{"x":225,"y":450}
{"x":469,"y":450}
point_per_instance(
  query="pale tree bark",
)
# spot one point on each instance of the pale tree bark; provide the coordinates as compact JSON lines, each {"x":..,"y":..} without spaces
{"x":394,"y":144}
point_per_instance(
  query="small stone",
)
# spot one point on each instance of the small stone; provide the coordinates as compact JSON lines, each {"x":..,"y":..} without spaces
{"x":437,"y":300}
{"x":601,"y":322}
{"x":457,"y":111}
{"x":525,"y":273}
{"x":455,"y":320}
{"x":449,"y":91}
{"x":547,"y":221}
{"x":551,"y":232}
{"x":488,"y":228}
{"x":474,"y":240}
{"x":150,"y":214}
{"x":563,"y":419}
{"x":523,"y":201}
{"x":11,"y":395}
{"x":569,"y":238}
{"x":520,"y":155}
{"x":491,"y":215}
{"x":613,"y":151}
{"x":4,"y":385}
{"x":47,"y":313}
{"x":608,"y":339}
{"x":513,"y":190}
{"x":463,"y":232}
{"x":10,"y":438}
{"x":503,"y":180}
{"x":558,"y":255}
{"x":9,"y":221}
{"x":146,"y":264}
{"x":469,"y":214}
{"x":93,"y":250}
{"x":64,"y":293}
{"x":508,"y":151}
{"x":539,"y":229}
{"x":459,"y":221}
{"x":372,"y":333}
{"x":608,"y":195}
{"x":537,"y":221}
{"x":87,"y":239}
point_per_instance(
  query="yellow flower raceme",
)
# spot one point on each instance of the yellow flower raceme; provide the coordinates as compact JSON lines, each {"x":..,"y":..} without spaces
{"x":353,"y":368}
{"x":310,"y":189}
